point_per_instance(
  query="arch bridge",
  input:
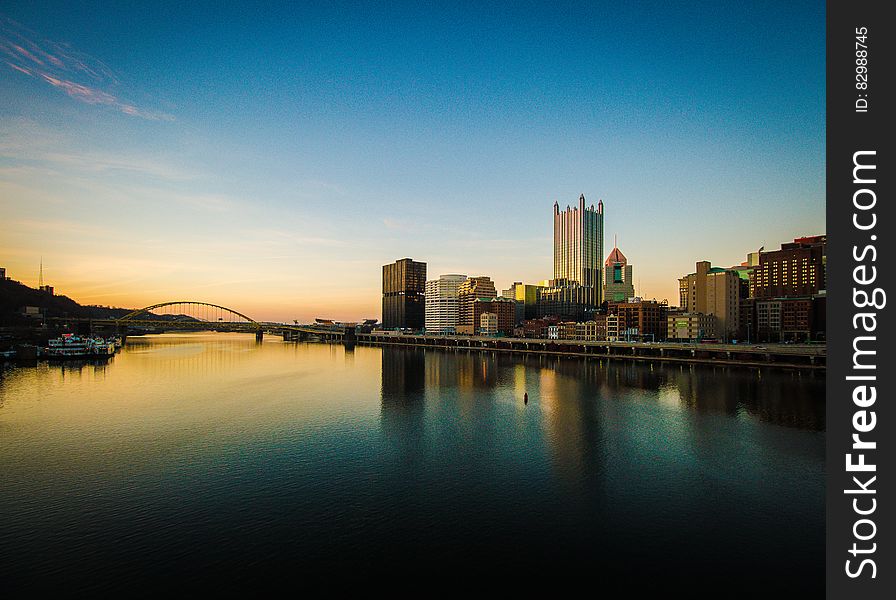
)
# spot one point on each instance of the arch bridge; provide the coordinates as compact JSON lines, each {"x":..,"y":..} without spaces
{"x":189,"y":315}
{"x":193,"y":315}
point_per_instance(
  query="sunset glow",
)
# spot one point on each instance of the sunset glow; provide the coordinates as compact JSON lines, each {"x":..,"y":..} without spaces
{"x":275,"y":164}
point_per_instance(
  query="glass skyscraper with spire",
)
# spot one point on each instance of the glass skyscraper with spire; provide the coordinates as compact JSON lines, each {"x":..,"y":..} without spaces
{"x":578,"y":258}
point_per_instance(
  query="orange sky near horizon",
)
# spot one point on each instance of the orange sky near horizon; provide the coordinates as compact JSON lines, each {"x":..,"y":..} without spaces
{"x":277,"y":180}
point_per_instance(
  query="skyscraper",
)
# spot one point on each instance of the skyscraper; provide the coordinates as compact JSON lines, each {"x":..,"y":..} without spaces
{"x":404,"y":284}
{"x":618,"y":282}
{"x":442,"y":303}
{"x":579,"y":248}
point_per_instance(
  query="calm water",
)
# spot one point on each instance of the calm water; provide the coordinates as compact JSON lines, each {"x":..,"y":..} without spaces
{"x":210,"y":458}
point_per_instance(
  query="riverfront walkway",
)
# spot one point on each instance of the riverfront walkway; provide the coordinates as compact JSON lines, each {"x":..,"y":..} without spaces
{"x":792,"y":356}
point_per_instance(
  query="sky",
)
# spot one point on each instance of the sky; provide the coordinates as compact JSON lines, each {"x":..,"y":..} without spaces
{"x":272,"y":159}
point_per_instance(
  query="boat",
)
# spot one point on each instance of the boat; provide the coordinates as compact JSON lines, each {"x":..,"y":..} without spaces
{"x":70,"y":346}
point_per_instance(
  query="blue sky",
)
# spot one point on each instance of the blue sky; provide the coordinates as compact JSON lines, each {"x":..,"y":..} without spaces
{"x":275,"y":158}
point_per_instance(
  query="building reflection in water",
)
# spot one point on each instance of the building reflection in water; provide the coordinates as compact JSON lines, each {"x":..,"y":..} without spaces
{"x":389,"y":455}
{"x":582,"y":406}
{"x":403,"y":389}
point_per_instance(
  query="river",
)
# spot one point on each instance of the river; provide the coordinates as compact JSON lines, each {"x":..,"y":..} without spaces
{"x":210,"y":457}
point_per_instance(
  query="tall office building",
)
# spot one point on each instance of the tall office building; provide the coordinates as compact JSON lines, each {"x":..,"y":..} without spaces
{"x":579,"y":248}
{"x":619,"y":285}
{"x":404,"y":285}
{"x":713,"y":291}
{"x":442,"y":303}
{"x":469,"y":291}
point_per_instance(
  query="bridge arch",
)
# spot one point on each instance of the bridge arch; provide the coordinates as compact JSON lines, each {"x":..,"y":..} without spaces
{"x":132,"y":316}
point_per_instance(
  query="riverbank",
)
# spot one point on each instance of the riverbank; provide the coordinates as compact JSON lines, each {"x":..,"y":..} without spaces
{"x":779,"y":356}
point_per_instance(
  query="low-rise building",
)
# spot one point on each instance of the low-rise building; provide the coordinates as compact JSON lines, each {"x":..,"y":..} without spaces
{"x":689,"y":326}
{"x":790,"y":319}
{"x":488,"y":324}
{"x":535,"y":328}
{"x":615,"y":328}
{"x":567,"y":330}
{"x":592,"y":331}
{"x":641,"y":320}
{"x":504,"y":308}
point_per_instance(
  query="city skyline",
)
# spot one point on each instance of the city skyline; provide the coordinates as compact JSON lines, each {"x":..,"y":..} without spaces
{"x":276,"y":165}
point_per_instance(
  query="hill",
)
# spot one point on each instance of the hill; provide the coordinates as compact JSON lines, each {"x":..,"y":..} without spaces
{"x":14,"y":296}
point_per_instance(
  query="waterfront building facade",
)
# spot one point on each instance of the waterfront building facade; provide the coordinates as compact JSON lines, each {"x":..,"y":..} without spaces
{"x":713,"y":291}
{"x":502,"y":308}
{"x":404,"y":287}
{"x":790,"y":319}
{"x":640,"y":320}
{"x":441,"y":302}
{"x":689,"y":326}
{"x":591,"y":331}
{"x":468,"y":292}
{"x":615,"y":328}
{"x":488,"y":324}
{"x":534,"y":328}
{"x":618,"y":281}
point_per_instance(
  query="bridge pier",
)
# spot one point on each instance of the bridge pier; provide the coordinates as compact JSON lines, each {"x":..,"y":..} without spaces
{"x":259,"y":335}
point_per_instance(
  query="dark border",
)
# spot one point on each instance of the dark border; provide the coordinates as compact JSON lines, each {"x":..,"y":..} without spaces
{"x":848,"y":132}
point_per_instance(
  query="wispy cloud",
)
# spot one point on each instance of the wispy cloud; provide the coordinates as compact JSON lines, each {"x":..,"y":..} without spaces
{"x":79,"y":75}
{"x":25,"y":144}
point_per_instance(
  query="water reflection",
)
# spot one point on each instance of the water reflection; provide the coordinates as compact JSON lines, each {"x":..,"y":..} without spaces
{"x":663,"y":456}
{"x":403,"y":385}
{"x":786,"y":398}
{"x":366,"y":458}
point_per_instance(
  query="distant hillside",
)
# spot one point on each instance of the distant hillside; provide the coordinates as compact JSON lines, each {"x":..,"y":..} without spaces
{"x":15,"y":295}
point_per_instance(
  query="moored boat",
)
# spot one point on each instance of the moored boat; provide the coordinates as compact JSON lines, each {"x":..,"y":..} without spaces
{"x":70,"y":346}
